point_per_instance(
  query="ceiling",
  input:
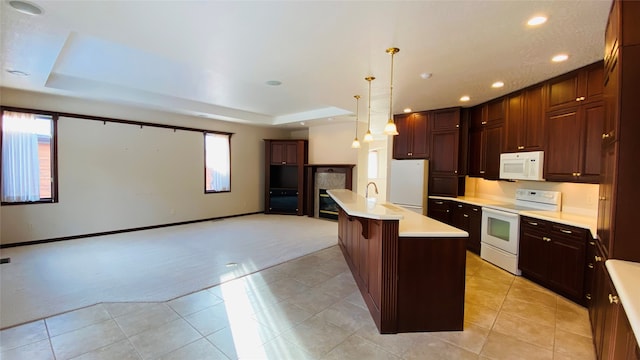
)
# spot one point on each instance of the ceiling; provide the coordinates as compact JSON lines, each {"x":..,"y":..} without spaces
{"x":213,"y":58}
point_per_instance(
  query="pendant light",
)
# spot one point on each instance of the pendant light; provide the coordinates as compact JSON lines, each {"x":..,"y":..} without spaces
{"x":390,"y":128}
{"x":368,"y":137}
{"x":356,"y":144}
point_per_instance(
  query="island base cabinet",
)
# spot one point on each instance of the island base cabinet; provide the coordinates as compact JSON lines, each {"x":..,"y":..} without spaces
{"x":409,"y":284}
{"x":431,"y":280}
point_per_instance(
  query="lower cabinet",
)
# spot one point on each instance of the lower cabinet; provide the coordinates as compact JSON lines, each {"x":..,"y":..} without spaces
{"x":613,"y":336}
{"x":440,"y":210}
{"x":468,"y":218}
{"x":554,"y":255}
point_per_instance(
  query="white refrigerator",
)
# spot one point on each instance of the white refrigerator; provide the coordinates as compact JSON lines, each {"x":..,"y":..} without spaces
{"x":408,"y":184}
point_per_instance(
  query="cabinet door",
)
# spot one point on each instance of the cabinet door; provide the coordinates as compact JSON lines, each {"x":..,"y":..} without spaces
{"x":514,"y":123}
{"x":533,"y":122}
{"x":492,"y":144}
{"x":445,"y":120}
{"x":563,"y":145}
{"x":610,"y":98}
{"x":593,"y":80}
{"x":291,"y":153}
{"x":477,"y":116}
{"x":444,"y":153}
{"x":567,"y":266}
{"x":476,"y":153}
{"x":533,"y":256}
{"x":475,"y":225}
{"x":496,"y":110}
{"x":278,"y":153}
{"x":402,"y":141}
{"x":420,"y":141}
{"x":605,"y":200}
{"x":563,"y":91}
{"x":593,"y":126}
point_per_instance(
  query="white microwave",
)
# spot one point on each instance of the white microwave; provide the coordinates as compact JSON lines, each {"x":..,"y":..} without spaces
{"x":522,"y":166}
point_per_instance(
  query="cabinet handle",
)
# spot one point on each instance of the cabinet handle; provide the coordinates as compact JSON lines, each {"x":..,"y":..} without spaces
{"x":590,"y":265}
{"x":605,"y":136}
{"x":447,"y":210}
{"x":481,"y":171}
{"x":613,"y":299}
{"x":439,"y":202}
{"x":566,"y":231}
{"x":284,"y":162}
{"x":520,"y":147}
{"x":474,"y":209}
{"x":532,"y":223}
{"x":581,"y":98}
{"x":410,"y":154}
{"x":465,"y":215}
{"x":597,"y":258}
{"x":546,"y":239}
{"x":588,"y":296}
{"x":457,"y":125}
{"x":459,"y":206}
{"x":592,"y":243}
{"x":602,"y":198}
{"x":578,"y":174}
{"x":484,"y":123}
{"x":455,"y":171}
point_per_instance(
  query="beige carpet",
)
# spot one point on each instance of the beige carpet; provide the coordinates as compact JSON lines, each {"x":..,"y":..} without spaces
{"x":152,"y":265}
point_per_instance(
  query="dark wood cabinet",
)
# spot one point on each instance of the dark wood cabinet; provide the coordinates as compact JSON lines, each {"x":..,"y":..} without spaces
{"x":524,"y":122}
{"x":468,"y":218}
{"x":284,"y":176}
{"x":486,"y":140}
{"x":574,"y":143}
{"x":554,"y":255}
{"x":412,"y":141}
{"x":444,"y":165}
{"x":577,"y":87}
{"x":440,"y":210}
{"x":619,"y":192}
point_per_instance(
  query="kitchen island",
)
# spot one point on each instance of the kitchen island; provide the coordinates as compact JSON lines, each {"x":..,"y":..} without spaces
{"x":410,"y":269}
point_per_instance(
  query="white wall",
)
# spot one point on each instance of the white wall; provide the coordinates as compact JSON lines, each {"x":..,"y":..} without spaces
{"x":576,"y":198}
{"x":331,"y":144}
{"x":116,"y":176}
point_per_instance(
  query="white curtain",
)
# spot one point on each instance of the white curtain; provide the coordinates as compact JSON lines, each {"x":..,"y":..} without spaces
{"x":20,"y":162}
{"x":218,"y":162}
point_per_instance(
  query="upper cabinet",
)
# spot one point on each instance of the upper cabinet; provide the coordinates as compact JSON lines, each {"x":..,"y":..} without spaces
{"x":445,"y":156}
{"x":486,"y":135}
{"x":284,"y":152}
{"x":412,"y":141}
{"x":580,"y":86}
{"x":525,"y":120}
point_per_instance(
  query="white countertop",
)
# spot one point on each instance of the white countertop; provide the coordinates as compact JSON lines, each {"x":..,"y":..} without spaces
{"x":586,"y":222}
{"x":625,"y":276}
{"x":410,"y":224}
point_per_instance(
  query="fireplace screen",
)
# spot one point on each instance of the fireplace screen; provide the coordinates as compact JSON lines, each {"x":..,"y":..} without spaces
{"x":328,"y":208}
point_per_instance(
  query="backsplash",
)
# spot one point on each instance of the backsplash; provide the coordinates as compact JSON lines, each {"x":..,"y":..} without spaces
{"x":579,"y":199}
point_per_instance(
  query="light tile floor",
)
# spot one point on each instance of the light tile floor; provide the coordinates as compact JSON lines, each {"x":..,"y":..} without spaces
{"x":309,"y":308}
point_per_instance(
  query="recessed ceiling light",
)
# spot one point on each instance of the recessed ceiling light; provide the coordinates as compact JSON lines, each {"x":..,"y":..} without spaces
{"x":26,"y":7}
{"x":301,"y":122}
{"x":537,"y":20}
{"x":425,"y":75}
{"x":17,"y":72}
{"x":273,"y":83}
{"x":465,"y":98}
{"x":497,"y":84}
{"x":560,"y":58}
{"x":407,"y":110}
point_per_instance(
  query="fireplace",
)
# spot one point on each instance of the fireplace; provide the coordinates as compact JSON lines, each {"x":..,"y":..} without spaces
{"x":321,"y":178}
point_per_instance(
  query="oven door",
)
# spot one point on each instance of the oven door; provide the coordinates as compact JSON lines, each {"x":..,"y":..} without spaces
{"x":500,"y":229}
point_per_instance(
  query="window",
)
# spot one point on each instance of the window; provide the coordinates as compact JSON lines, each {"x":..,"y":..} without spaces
{"x":217,"y":162}
{"x":372,"y":165}
{"x":28,"y":157}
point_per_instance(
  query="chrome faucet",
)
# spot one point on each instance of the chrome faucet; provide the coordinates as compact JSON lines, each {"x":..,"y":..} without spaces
{"x":375,"y":188}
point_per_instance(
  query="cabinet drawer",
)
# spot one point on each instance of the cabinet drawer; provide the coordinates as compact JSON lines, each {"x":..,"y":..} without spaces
{"x":533,"y":224}
{"x":568,"y":232}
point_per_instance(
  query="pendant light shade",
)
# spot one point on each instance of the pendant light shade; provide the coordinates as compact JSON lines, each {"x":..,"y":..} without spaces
{"x":356,"y":143}
{"x":368,"y":137}
{"x":390,"y":128}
